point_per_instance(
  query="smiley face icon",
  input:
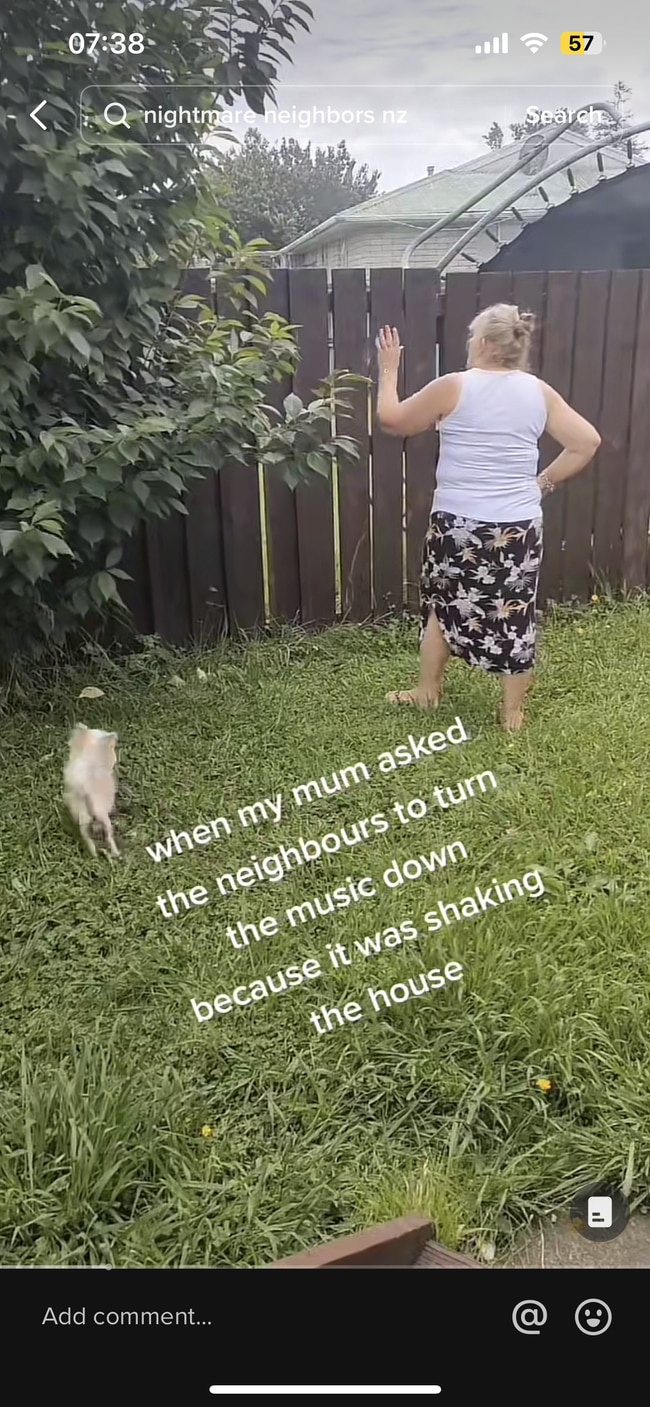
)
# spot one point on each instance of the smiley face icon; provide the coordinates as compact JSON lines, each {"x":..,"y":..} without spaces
{"x":593,"y":1317}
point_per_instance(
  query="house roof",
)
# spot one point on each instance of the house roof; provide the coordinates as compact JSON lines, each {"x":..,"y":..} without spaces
{"x":422,"y":202}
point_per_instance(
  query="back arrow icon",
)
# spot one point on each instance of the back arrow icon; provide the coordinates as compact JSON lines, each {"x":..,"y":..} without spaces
{"x":37,"y":119}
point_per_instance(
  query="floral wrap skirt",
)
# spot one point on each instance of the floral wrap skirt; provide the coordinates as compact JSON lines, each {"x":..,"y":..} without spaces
{"x":481,"y":581}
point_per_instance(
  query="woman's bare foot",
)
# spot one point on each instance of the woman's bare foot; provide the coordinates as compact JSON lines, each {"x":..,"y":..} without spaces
{"x":418,"y":698}
{"x":515,"y":691}
{"x":513,"y":722}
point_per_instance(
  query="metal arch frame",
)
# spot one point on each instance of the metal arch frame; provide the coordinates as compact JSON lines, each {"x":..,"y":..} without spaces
{"x":538,"y":179}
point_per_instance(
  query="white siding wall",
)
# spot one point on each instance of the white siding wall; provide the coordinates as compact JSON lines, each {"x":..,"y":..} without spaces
{"x":327,"y":256}
{"x":376,"y":248}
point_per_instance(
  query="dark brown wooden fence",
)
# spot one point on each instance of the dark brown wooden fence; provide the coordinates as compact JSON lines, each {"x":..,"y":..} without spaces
{"x":252,"y":551}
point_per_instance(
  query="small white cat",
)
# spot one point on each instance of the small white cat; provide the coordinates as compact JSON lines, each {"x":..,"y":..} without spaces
{"x":89,"y":784}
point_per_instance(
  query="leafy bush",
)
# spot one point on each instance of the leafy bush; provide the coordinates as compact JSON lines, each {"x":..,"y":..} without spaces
{"x":116,"y":391}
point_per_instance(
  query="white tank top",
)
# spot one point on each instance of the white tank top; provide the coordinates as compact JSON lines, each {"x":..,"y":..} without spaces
{"x":487,"y":466}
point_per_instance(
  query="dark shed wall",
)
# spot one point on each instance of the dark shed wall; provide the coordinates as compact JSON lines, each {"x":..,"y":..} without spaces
{"x":607,"y":227}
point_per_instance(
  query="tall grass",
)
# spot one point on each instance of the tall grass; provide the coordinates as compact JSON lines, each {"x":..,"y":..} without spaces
{"x":131,"y":1135}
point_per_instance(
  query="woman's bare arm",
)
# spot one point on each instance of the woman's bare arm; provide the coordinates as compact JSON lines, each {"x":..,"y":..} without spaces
{"x":419,"y":412}
{"x":579,"y":439}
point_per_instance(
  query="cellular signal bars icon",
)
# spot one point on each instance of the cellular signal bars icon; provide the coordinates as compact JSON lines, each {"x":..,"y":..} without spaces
{"x":493,"y":46}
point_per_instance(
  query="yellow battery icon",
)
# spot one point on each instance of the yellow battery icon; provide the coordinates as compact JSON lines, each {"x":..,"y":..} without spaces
{"x":582,"y":43}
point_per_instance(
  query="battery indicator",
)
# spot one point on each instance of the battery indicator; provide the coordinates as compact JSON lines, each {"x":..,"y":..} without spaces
{"x":582,"y":43}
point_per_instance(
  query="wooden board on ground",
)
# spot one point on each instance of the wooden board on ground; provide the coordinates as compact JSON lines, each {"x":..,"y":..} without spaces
{"x":406,"y":1244}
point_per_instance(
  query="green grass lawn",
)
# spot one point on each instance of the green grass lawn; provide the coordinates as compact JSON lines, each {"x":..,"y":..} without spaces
{"x":131,"y":1134}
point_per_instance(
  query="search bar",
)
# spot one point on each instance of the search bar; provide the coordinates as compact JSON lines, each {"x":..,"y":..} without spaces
{"x":190,"y":114}
{"x":156,"y":115}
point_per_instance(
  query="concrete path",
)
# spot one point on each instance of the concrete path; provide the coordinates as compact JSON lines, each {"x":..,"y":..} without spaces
{"x":556,"y":1246}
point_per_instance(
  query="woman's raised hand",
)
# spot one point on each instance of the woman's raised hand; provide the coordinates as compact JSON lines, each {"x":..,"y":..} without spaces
{"x":389,"y":350}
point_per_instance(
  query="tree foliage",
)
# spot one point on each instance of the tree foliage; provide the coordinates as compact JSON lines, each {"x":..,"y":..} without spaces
{"x":279,"y":191}
{"x":493,"y":138}
{"x":115,"y":390}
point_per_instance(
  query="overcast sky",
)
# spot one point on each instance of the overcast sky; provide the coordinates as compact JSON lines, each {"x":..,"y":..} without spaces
{"x":416,"y":58}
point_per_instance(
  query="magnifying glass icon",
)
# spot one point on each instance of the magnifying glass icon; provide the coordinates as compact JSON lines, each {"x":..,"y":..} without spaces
{"x":115,"y":121}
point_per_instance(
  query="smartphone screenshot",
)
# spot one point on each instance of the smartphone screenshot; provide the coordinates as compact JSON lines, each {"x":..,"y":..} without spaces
{"x":324,"y":666}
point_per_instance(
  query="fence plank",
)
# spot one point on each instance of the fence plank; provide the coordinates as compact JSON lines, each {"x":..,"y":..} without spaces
{"x":557,"y":368}
{"x":421,"y":288}
{"x":136,"y":593}
{"x":308,"y":308}
{"x":196,"y":281}
{"x":351,"y":354}
{"x":386,"y":309}
{"x":159,"y":605}
{"x":242,"y":531}
{"x":586,"y":391}
{"x":281,"y":520}
{"x":170,"y":597}
{"x":494,"y":288}
{"x":637,"y":497}
{"x":205,"y":559}
{"x":242,"y":546}
{"x":203,"y":530}
{"x":529,"y":294}
{"x":461,"y":305}
{"x":204,"y":572}
{"x":614,"y":425}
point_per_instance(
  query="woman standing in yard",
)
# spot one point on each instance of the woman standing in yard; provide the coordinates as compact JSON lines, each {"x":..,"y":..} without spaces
{"x":483,"y":549}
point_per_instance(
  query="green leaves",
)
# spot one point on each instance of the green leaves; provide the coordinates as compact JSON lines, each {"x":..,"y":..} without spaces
{"x":35,"y":276}
{"x":319,"y":462}
{"x":123,"y":514}
{"x":55,"y":545}
{"x":106,"y":587}
{"x":7,"y":538}
{"x":79,"y":341}
{"x":92,"y":527}
{"x":118,"y":167}
{"x":119,"y":387}
{"x":293,"y":406}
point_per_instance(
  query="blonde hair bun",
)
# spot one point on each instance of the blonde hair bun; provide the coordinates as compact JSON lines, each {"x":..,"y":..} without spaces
{"x":506,"y":334}
{"x":524,"y":325}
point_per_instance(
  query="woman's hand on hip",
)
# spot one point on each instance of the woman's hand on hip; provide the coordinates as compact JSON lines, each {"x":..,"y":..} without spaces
{"x":389,"y":350}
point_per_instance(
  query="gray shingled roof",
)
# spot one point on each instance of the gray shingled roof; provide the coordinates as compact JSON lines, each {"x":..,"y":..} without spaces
{"x":425,"y":201}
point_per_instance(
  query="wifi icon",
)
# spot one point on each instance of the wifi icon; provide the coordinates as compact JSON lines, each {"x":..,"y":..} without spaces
{"x":534,"y":42}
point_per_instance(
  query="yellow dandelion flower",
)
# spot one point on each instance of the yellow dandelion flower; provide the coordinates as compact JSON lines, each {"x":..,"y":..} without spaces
{"x":207,"y":1131}
{"x":546,"y":1086}
{"x":595,"y":599}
